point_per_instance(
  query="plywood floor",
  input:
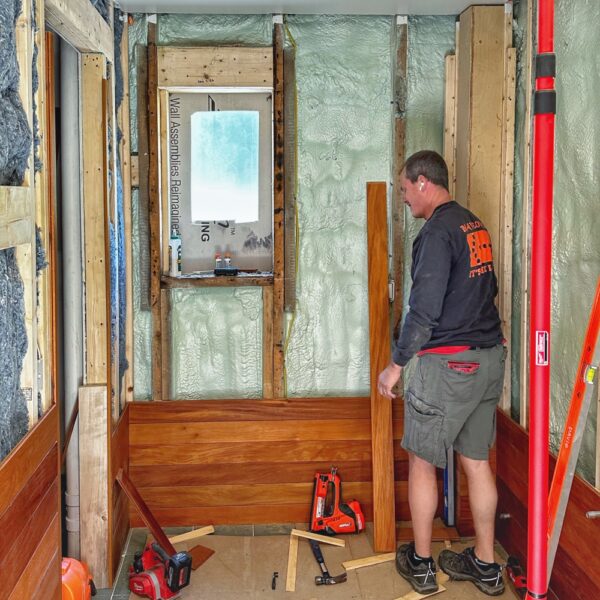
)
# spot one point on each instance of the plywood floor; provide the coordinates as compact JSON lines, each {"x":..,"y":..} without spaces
{"x":243,"y":565}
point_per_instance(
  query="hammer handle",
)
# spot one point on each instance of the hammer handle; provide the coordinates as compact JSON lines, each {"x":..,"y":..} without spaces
{"x":319,"y":556}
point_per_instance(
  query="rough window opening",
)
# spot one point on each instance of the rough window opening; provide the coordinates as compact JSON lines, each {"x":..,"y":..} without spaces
{"x":220,"y":177}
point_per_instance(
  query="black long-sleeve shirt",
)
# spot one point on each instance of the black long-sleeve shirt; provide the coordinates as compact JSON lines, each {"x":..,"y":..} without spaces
{"x":454,"y":286}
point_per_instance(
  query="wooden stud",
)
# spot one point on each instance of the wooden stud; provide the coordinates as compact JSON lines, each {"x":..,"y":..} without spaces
{"x":80,"y":24}
{"x":24,"y":47}
{"x":192,"y":535}
{"x":93,"y":468}
{"x":449,"y":122}
{"x":267,"y":355}
{"x":141,"y":60}
{"x":278,"y":214}
{"x":97,"y":296}
{"x":111,"y":161}
{"x":318,"y":538}
{"x":51,"y":251}
{"x":368,"y":561}
{"x":44,"y":214}
{"x":290,"y":581}
{"x":398,"y":224}
{"x":127,"y":171}
{"x":506,"y":216}
{"x":384,"y":530}
{"x":526,"y":222}
{"x":25,"y":252}
{"x":215,"y":66}
{"x":165,"y":311}
{"x":163,"y":119}
{"x":485,"y":139}
{"x":154,"y":214}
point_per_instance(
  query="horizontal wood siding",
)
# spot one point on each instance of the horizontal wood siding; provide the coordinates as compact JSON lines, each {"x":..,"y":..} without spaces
{"x":576,"y":572}
{"x":253,"y":461}
{"x":29,"y":516}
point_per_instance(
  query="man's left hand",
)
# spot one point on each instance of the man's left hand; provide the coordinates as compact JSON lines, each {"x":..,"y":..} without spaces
{"x":387,"y":380}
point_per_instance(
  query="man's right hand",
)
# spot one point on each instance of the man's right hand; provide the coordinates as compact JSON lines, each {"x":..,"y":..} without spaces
{"x":387,"y":380}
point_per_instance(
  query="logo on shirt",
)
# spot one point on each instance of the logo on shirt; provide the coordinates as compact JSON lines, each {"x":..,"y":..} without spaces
{"x":480,"y":249}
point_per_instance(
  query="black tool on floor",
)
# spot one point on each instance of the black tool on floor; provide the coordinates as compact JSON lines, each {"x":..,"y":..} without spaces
{"x":274,"y":580}
{"x":326,"y":578}
{"x":516,"y":576}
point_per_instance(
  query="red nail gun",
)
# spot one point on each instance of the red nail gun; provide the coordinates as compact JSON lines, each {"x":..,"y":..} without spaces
{"x":328,"y":515}
{"x":158,"y":576}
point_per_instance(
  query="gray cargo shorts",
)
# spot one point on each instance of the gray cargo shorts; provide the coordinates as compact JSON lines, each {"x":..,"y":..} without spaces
{"x":451,"y":400}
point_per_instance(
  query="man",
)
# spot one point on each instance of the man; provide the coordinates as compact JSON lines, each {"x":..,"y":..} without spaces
{"x":454,"y":329}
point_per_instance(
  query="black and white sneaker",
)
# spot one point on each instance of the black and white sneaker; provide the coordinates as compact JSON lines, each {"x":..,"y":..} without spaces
{"x":422,"y":575}
{"x":466,"y":567}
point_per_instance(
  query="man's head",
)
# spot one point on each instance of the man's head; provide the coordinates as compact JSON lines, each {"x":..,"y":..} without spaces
{"x":424,"y":183}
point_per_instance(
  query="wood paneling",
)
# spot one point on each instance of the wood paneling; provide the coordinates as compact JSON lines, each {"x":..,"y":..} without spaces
{"x":576,"y":572}
{"x":384,"y":534}
{"x":215,"y":66}
{"x":186,"y":411}
{"x":253,"y":431}
{"x":29,"y":519}
{"x":206,"y":462}
{"x":20,"y":465}
{"x":41,"y":577}
{"x":119,"y":515}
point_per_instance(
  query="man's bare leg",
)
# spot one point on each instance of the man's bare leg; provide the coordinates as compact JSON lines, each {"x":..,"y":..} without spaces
{"x":422,"y":499}
{"x":483,"y":498}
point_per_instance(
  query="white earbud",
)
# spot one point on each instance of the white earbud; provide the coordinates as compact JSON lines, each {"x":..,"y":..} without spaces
{"x":421,"y":186}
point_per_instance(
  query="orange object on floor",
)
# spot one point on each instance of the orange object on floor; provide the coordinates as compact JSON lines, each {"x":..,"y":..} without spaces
{"x":77,"y":583}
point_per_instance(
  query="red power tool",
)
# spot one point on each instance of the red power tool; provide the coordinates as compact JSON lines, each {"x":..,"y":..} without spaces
{"x":158,"y":576}
{"x":328,"y":515}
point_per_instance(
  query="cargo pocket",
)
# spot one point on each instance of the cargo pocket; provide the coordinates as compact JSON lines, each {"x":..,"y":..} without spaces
{"x":423,"y":425}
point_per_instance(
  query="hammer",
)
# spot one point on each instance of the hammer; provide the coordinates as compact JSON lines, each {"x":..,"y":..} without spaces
{"x":326,"y":578}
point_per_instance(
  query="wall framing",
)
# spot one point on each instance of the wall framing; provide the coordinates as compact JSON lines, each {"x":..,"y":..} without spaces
{"x":173,"y":68}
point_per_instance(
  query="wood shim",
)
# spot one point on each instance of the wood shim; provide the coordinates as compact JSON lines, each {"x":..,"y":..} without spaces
{"x":192,"y":535}
{"x":319,"y":538}
{"x":215,"y":67}
{"x":441,"y":578}
{"x":368,"y":561}
{"x":290,"y":581}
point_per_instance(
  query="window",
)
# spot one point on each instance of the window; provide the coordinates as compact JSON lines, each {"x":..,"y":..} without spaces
{"x":220,"y":177}
{"x":224,"y":177}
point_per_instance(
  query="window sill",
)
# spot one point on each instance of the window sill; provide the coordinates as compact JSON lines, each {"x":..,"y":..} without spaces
{"x":209,"y":280}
